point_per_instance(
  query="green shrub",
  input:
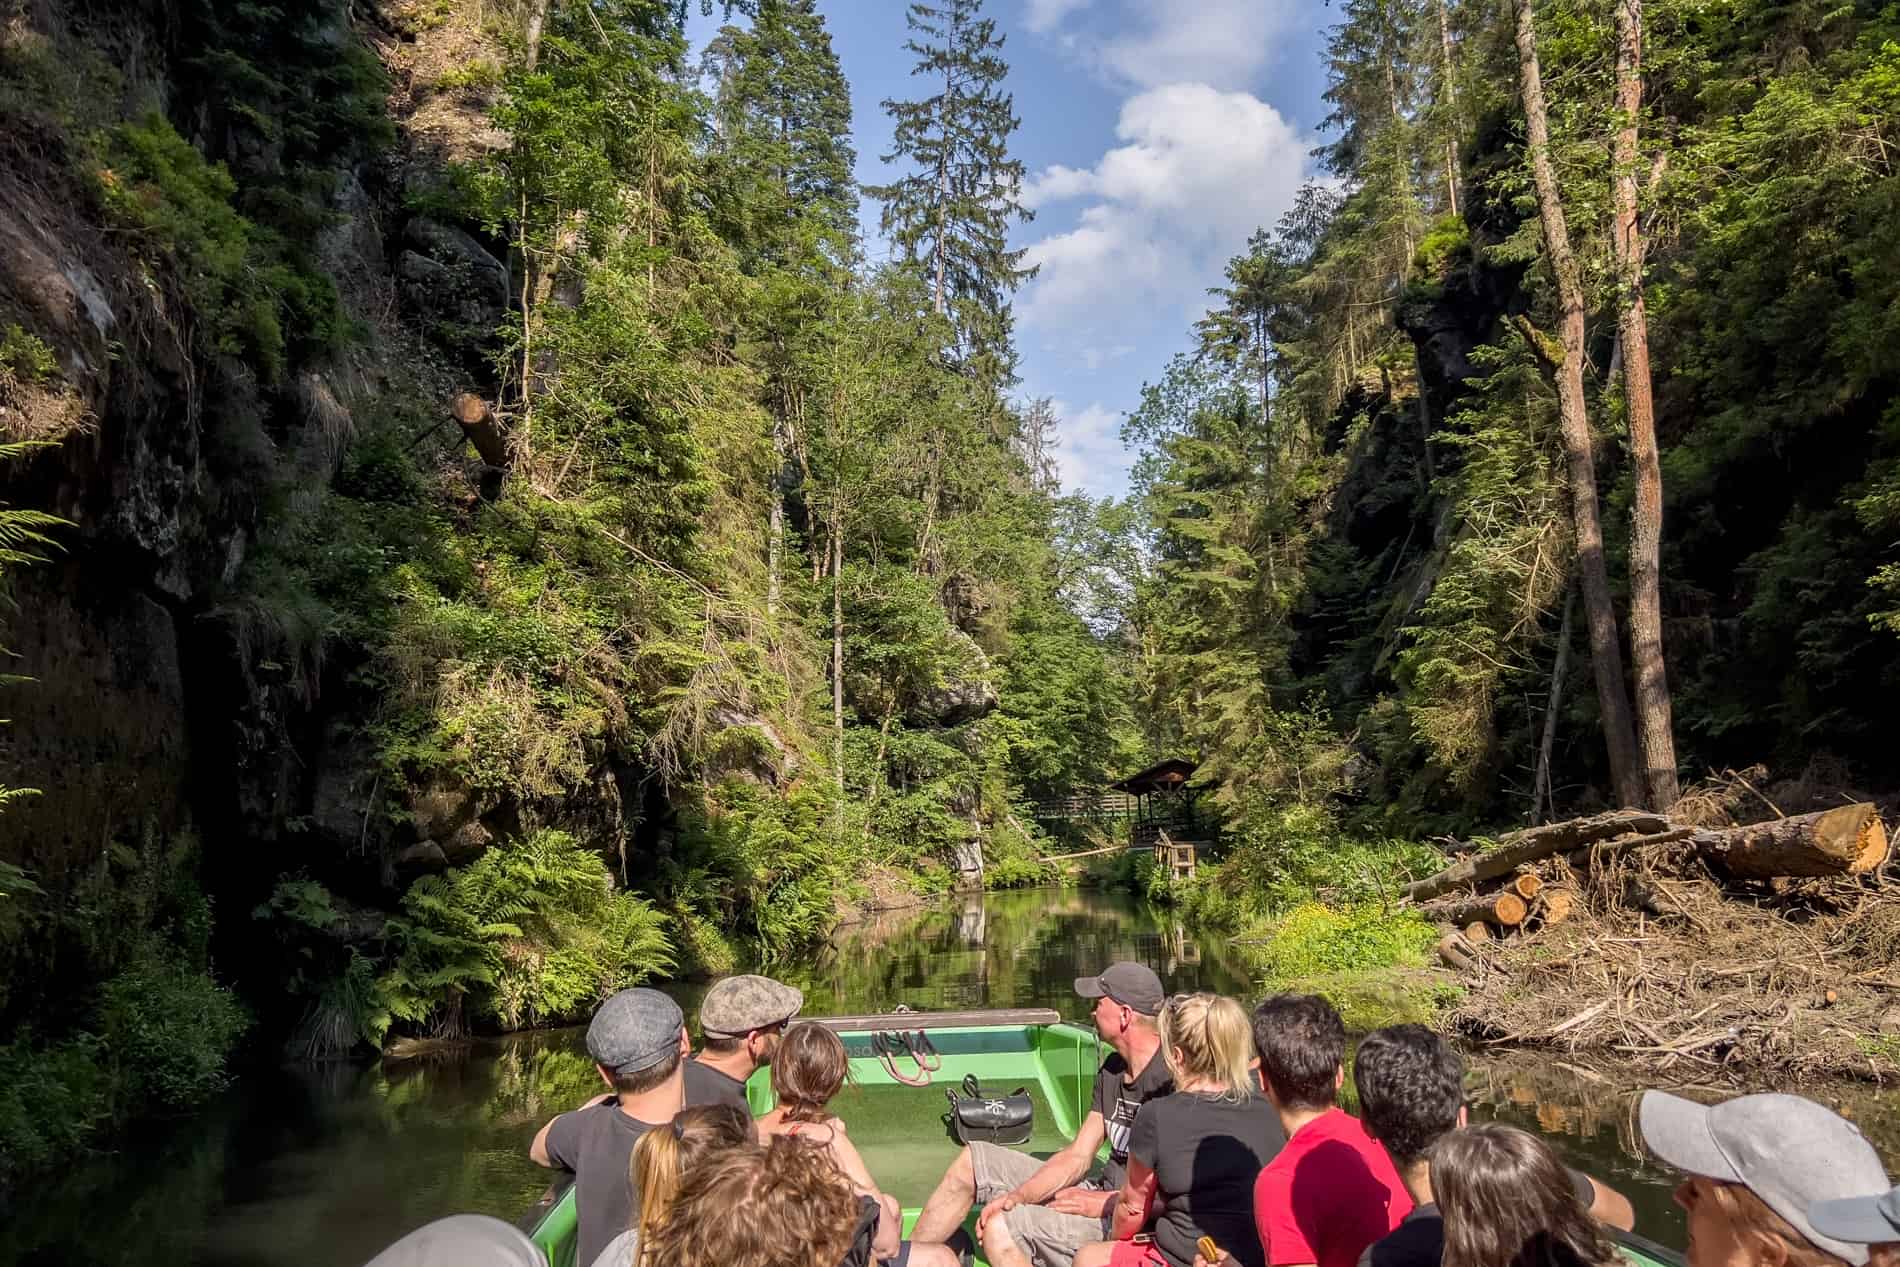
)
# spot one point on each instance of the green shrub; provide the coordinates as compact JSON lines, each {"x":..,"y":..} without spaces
{"x":51,"y":1100}
{"x":166,"y":1030}
{"x":1315,"y":939}
{"x":25,"y":360}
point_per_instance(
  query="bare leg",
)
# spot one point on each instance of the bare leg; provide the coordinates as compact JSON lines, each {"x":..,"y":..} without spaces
{"x":949,"y":1205}
{"x":1000,"y":1248}
{"x":933,"y":1256}
{"x":1095,"y":1254}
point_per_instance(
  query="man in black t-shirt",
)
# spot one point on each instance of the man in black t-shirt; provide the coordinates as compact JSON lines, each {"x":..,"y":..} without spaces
{"x":1042,"y":1212}
{"x":1411,"y":1087}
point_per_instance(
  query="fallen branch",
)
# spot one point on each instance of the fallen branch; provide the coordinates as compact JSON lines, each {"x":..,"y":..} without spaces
{"x":1533,"y":844}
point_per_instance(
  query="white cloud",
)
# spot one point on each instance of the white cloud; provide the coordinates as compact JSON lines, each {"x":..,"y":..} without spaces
{"x":1089,"y":453}
{"x":1198,"y":170}
{"x":1046,"y":15}
{"x":1153,"y":42}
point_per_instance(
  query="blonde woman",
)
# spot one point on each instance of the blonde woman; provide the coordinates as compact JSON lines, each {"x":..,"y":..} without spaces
{"x":662,"y":1156}
{"x":1193,"y":1156}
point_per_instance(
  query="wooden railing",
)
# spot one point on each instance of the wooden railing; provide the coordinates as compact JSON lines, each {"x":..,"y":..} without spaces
{"x":1084,"y":805}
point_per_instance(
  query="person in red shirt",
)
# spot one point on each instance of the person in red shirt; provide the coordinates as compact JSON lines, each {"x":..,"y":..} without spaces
{"x":1332,"y":1190}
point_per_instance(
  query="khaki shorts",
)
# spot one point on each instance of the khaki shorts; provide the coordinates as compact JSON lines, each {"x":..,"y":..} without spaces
{"x":1049,"y":1237}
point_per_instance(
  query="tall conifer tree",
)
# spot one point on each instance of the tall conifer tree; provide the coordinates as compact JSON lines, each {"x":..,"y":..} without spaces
{"x":951,"y":213}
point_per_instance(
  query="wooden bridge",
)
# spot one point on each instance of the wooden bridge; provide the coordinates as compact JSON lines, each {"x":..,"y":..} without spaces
{"x":1156,"y":803}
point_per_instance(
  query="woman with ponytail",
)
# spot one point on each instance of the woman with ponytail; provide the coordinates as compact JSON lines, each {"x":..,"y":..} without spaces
{"x":1193,"y":1156}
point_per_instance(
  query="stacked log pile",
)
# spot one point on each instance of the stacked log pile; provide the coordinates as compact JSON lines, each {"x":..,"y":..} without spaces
{"x":1490,"y":893}
{"x":1760,"y":950}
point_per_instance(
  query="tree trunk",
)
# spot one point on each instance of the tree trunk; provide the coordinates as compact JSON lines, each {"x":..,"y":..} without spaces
{"x":837,"y":648}
{"x":1555,"y":906}
{"x":1527,"y":886}
{"x":537,"y":19}
{"x":1566,"y":371}
{"x":1654,"y":728}
{"x":481,"y":428}
{"x":1531,"y":844}
{"x":1455,"y":131}
{"x":1543,"y":797}
{"x":1503,"y":908}
{"x":1843,"y":841}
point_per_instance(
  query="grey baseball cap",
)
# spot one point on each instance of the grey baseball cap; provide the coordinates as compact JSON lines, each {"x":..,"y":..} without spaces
{"x":1863,"y":1220}
{"x":635,"y":1030}
{"x":1788,"y":1151}
{"x":735,"y":1006}
{"x":462,"y":1240}
{"x":1133,"y":985}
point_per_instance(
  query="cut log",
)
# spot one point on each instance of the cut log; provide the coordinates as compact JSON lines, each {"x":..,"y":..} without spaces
{"x":1526,"y":886}
{"x":1532,"y":844}
{"x":1477,"y":931}
{"x":1457,"y":952}
{"x":1844,"y":841}
{"x":1505,"y":908}
{"x":483,"y":430}
{"x":1554,"y":906}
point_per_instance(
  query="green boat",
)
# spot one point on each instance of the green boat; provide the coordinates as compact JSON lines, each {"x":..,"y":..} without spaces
{"x":898,"y":1125}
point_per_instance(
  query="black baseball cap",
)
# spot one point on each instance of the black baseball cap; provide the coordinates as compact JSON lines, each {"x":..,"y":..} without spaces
{"x":1133,"y":985}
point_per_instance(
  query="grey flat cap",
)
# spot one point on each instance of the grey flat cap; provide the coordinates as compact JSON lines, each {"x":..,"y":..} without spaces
{"x":462,"y":1240}
{"x":735,"y":1006}
{"x":1871,"y":1220}
{"x":1788,"y":1151}
{"x":635,"y":1030}
{"x":1133,"y":985}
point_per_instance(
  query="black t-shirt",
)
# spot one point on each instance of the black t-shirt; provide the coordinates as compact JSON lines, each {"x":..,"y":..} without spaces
{"x":1419,"y":1240}
{"x":1118,"y":1101}
{"x":707,"y":1085}
{"x":596,"y":1143}
{"x":1206,"y":1153}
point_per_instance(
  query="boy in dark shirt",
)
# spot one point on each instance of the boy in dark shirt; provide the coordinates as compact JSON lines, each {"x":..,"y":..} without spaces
{"x":1411,"y":1092}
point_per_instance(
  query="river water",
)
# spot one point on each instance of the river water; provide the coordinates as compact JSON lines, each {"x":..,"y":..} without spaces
{"x":322,"y":1167}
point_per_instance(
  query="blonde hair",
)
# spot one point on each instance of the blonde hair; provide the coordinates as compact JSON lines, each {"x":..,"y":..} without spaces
{"x":665,"y":1151}
{"x":1207,"y":1038}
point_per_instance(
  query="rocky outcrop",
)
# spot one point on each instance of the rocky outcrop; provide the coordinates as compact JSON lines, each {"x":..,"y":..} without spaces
{"x":450,"y":276}
{"x":963,"y":695}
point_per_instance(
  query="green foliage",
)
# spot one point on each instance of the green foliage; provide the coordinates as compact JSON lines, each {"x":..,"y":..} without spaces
{"x":1314,"y":939}
{"x":25,"y":360}
{"x":532,"y":933}
{"x":166,"y":1029}
{"x":51,"y":1101}
{"x":234,"y":275}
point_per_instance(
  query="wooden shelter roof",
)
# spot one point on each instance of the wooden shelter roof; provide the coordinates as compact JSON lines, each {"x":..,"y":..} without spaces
{"x":1162,"y":776}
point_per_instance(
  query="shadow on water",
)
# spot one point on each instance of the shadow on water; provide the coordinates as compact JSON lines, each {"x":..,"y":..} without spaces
{"x":322,"y":1167}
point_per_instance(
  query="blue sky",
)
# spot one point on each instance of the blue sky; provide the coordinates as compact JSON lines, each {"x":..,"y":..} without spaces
{"x":1157,"y":135}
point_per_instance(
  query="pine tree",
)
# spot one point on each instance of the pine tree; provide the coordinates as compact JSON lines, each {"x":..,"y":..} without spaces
{"x":783,"y":111}
{"x":951,"y":215}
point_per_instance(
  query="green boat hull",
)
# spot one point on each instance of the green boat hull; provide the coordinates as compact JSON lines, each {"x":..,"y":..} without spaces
{"x":901,"y":1132}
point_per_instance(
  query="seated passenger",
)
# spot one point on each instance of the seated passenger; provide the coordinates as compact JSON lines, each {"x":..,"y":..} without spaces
{"x":740,"y":1021}
{"x":1193,"y":1156}
{"x":638,"y":1042}
{"x":1755,"y":1164}
{"x":1331,"y":1191}
{"x":1047,"y":1210}
{"x":1871,"y":1221}
{"x":808,"y":1070}
{"x":662,"y":1157}
{"x":1508,"y":1202}
{"x":1411,"y":1094}
{"x":784,"y":1205}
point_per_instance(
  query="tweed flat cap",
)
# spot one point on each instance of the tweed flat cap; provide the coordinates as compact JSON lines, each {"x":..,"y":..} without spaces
{"x":738,"y":1005}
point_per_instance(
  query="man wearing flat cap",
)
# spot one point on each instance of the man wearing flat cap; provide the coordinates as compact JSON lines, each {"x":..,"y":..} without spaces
{"x":1041,"y":1212}
{"x":740,"y":1022}
{"x":638,"y":1042}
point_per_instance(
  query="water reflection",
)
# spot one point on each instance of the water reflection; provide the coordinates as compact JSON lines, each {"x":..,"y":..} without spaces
{"x":322,"y":1167}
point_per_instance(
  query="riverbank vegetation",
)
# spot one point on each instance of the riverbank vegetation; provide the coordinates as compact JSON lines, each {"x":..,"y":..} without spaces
{"x":523,"y":545}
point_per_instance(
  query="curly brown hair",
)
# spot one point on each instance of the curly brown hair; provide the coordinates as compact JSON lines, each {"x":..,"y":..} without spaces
{"x":1768,"y":1236}
{"x":808,"y":1069}
{"x":784,"y":1205}
{"x":1508,"y":1202}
